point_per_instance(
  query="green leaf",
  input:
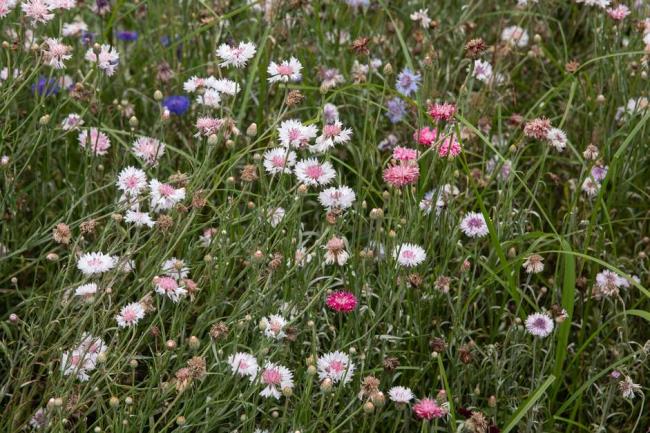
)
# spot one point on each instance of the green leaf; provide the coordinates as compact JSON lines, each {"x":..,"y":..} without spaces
{"x":528,"y":404}
{"x":568,"y":301}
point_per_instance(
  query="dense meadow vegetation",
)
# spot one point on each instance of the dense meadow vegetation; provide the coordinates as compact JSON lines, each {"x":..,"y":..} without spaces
{"x":322,"y":216}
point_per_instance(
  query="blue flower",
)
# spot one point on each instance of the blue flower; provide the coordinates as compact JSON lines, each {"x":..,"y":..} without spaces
{"x":178,"y":104}
{"x":127,"y":36}
{"x":45,"y":86}
{"x":87,"y":38}
{"x":396,"y":109}
{"x":166,"y":41}
{"x":408,"y":82}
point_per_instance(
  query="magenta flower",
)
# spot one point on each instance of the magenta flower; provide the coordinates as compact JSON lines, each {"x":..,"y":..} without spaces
{"x":442,"y":111}
{"x":428,"y":409}
{"x":342,"y":301}
{"x":402,"y":174}
{"x":425,"y":136}
{"x":405,"y":154}
{"x":450,"y":147}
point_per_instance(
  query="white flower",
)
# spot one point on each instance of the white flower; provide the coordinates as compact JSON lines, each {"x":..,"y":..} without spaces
{"x":194,"y":83}
{"x":95,"y":263}
{"x":107,"y":60}
{"x":427,"y":202}
{"x":312,"y":172}
{"x":482,"y":71}
{"x":335,"y":366}
{"x":86,"y":290}
{"x":534,"y":264}
{"x":540,"y":324}
{"x":628,"y":388}
{"x":273,"y":326}
{"x":337,"y":198}
{"x":423,"y":17}
{"x":590,"y":186}
{"x":633,"y":106}
{"x":515,"y":35}
{"x":6,"y":6}
{"x":333,"y":134}
{"x":557,"y":138}
{"x":62,"y":4}
{"x":74,"y":28}
{"x":285,"y":71}
{"x":335,"y":252}
{"x":83,"y":359}
{"x":279,"y":160}
{"x":275,"y":216}
{"x":409,"y":255}
{"x":243,"y":364}
{"x":608,"y":284}
{"x":224,"y":85}
{"x":40,"y":418}
{"x":209,"y":98}
{"x":71,"y":122}
{"x":139,"y":219}
{"x":132,"y":181}
{"x":56,"y":53}
{"x":164,"y":196}
{"x":207,"y":236}
{"x":400,"y":394}
{"x":330,"y":113}
{"x":130,"y":315}
{"x":293,"y":133}
{"x":236,"y":56}
{"x":275,"y":377}
{"x":598,"y":3}
{"x":301,"y":257}
{"x":474,"y":225}
{"x":175,"y":268}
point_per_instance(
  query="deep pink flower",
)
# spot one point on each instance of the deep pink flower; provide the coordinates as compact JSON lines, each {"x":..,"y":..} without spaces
{"x":342,"y":301}
{"x":404,"y":173}
{"x":429,"y":409}
{"x":404,"y":154}
{"x":442,"y":111}
{"x":425,"y":136}
{"x":450,"y":147}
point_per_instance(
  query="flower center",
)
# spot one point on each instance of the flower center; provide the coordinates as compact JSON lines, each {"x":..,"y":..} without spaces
{"x":285,"y":70}
{"x":314,"y":171}
{"x":271,"y":377}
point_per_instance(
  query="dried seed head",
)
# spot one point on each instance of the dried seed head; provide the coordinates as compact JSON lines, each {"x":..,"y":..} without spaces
{"x":219,"y":330}
{"x":61,"y":234}
{"x":475,"y":47}
{"x":294,"y":98}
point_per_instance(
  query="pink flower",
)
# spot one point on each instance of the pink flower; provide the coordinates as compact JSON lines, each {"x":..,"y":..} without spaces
{"x":619,"y":12}
{"x":405,"y":154}
{"x":38,"y":11}
{"x":429,"y":409}
{"x":425,"y":136}
{"x":401,"y":174}
{"x":208,"y":126}
{"x":96,"y":140}
{"x":537,"y":128}
{"x":342,"y":301}
{"x":450,"y":147}
{"x":442,"y":111}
